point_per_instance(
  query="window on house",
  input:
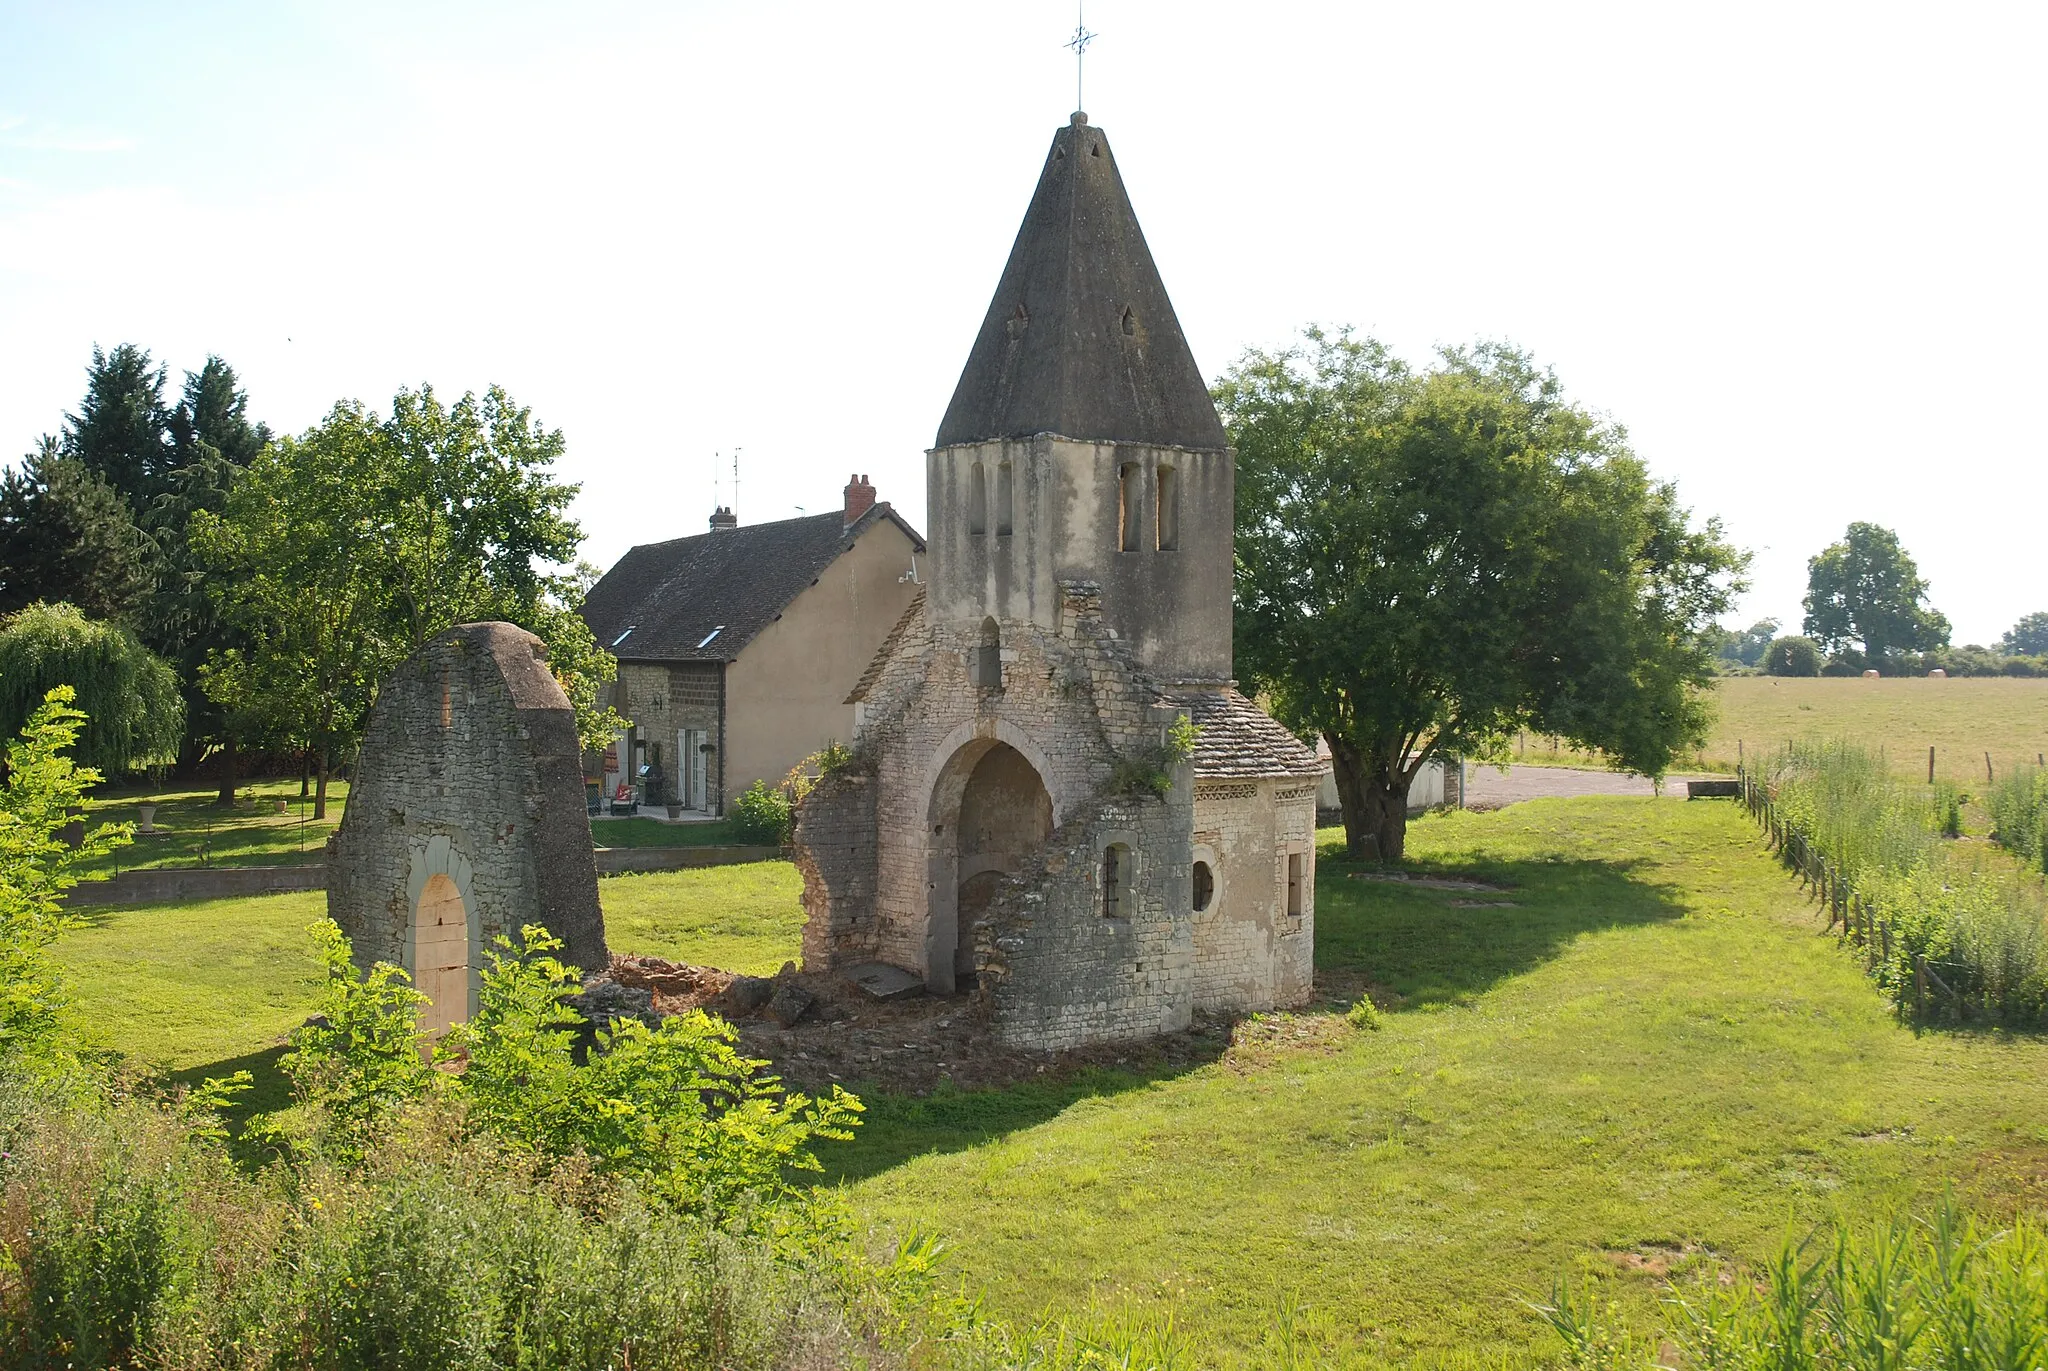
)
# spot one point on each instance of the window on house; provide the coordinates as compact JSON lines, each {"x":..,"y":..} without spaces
{"x":1005,"y":496}
{"x":1127,"y":507}
{"x":1294,"y":885}
{"x":1168,"y":489}
{"x":1116,"y":881}
{"x":1205,"y":886}
{"x":988,"y":668}
{"x":977,"y":500}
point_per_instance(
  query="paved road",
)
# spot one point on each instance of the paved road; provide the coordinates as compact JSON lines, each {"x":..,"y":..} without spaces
{"x":1487,"y":788}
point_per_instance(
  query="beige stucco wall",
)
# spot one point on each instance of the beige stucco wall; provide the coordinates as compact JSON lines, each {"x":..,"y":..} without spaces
{"x":786,"y":695}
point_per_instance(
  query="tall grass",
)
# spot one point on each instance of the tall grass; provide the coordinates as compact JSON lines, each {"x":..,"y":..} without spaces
{"x":1949,"y":930}
{"x":2019,"y":813}
{"x":1895,"y":1294}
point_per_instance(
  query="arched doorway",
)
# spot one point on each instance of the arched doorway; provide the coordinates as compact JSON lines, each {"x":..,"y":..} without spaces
{"x":440,"y":954}
{"x":991,"y":811}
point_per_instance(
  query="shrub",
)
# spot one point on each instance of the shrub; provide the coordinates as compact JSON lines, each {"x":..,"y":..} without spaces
{"x":137,"y":714}
{"x":762,"y":815}
{"x":1363,"y":1014}
{"x":1792,"y":656}
{"x":2019,"y":813}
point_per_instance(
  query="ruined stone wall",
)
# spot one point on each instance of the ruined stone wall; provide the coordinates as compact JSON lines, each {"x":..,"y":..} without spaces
{"x":835,"y":850}
{"x":1249,"y":953}
{"x":469,"y":769}
{"x":662,"y":698}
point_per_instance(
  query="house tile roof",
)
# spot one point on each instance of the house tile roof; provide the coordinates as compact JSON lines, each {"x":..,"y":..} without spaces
{"x":1238,"y":739}
{"x":704,"y":598}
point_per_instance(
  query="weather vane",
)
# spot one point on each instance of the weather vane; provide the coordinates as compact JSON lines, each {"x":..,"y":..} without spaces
{"x":1079,"y":43}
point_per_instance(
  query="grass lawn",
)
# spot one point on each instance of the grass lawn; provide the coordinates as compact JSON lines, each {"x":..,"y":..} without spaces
{"x":253,"y":833}
{"x":739,"y":918}
{"x":638,"y":832}
{"x":1649,"y":1057}
{"x":1962,"y":719}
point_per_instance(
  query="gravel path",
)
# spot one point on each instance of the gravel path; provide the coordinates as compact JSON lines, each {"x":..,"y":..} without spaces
{"x":1487,"y":788}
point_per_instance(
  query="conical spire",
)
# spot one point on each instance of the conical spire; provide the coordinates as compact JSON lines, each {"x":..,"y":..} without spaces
{"x":1080,"y":339}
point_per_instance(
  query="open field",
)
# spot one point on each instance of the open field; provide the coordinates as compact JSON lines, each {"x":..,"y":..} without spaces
{"x":1962,"y":719}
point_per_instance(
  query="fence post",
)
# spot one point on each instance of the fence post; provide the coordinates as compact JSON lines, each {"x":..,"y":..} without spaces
{"x":1919,"y":986}
{"x":1930,"y":766}
{"x":1987,"y":769}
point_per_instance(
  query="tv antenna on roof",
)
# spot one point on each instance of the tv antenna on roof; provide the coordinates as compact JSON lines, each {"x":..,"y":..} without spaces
{"x":1079,"y":43}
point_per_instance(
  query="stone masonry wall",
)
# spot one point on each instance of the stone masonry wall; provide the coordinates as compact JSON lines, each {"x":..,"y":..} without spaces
{"x":1249,"y":954}
{"x":663,"y":697}
{"x":469,"y":769}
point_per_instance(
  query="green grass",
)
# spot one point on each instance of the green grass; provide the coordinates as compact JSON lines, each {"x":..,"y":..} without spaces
{"x":1962,"y":719}
{"x":1651,"y":1054}
{"x":638,"y":832}
{"x":253,"y":833}
{"x":739,"y":918}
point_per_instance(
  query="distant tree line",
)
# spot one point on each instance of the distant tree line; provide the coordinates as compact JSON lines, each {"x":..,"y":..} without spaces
{"x":214,"y":590}
{"x":1867,"y":610}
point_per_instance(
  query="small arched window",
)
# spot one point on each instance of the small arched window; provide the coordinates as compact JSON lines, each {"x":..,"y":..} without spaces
{"x":1204,"y":886}
{"x":988,"y":657}
{"x":1129,"y":523}
{"x":1005,"y":496}
{"x":1116,"y":882}
{"x":977,"y":500}
{"x":1168,"y":491}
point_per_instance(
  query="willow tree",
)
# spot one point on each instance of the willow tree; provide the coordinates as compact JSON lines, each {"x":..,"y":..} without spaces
{"x":135,"y":716}
{"x":1428,"y":562}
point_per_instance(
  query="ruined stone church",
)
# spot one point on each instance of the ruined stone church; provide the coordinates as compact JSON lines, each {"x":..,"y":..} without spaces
{"x":1022,"y":818}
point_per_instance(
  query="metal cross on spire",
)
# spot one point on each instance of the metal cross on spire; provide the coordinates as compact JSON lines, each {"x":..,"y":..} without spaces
{"x":1079,"y":43}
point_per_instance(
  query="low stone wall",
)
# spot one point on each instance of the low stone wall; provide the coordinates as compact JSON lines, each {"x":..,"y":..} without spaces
{"x":171,"y":884}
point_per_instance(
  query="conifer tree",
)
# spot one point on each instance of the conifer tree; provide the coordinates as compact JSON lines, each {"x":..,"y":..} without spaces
{"x":119,"y":432}
{"x":65,"y":534}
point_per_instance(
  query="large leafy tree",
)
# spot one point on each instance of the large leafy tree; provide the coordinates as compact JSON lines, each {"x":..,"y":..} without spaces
{"x":1866,"y":589}
{"x":134,"y":715}
{"x":1428,"y":562}
{"x":65,"y":534}
{"x":343,"y":550}
{"x":2028,"y":637}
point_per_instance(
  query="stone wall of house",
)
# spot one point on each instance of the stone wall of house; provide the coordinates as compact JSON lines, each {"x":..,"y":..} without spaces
{"x":661,"y":699}
{"x":1250,"y":953}
{"x":835,"y":855}
{"x":469,"y":769}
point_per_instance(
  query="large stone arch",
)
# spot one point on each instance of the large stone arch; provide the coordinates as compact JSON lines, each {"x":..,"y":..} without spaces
{"x":989,"y":809}
{"x":1000,"y":730}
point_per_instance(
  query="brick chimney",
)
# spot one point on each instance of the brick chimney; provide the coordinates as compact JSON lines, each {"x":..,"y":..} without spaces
{"x":722,"y":518}
{"x":860,"y":498}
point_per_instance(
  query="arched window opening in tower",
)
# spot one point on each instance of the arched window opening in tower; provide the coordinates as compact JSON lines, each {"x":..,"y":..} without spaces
{"x":977,"y":500}
{"x":1006,"y":481}
{"x":1294,"y":875}
{"x":1130,"y":322}
{"x":1169,"y":509}
{"x":1204,"y":886}
{"x":988,"y":667}
{"x":1116,"y":881}
{"x":1128,"y":523}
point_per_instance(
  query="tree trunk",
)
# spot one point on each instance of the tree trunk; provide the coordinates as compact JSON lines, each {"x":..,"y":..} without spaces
{"x":226,"y":798}
{"x":320,"y":788}
{"x":1375,"y":806}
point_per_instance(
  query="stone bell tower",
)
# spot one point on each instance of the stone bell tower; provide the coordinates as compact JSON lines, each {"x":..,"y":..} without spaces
{"x":1081,"y":443}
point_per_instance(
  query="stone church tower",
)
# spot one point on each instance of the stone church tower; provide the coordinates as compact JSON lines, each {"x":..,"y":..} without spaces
{"x":1017,"y":821}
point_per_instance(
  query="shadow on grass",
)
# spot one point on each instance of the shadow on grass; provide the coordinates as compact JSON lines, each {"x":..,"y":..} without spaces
{"x":269,"y":1090}
{"x":1426,"y":945}
{"x":1436,"y":946}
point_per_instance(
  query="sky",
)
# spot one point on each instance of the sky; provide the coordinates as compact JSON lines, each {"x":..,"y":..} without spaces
{"x":1794,"y":248}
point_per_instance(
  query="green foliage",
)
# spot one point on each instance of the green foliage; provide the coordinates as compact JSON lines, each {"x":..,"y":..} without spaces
{"x":2019,"y":812}
{"x":342,"y":551}
{"x":1891,"y":1294}
{"x":44,"y":788}
{"x":2028,"y":637}
{"x":134,"y":717}
{"x":359,"y":1059}
{"x":674,"y":1109}
{"x":119,"y":430}
{"x":1428,"y":562}
{"x":1866,"y":589}
{"x":1363,"y":1014}
{"x":762,"y":814}
{"x":1978,"y":925}
{"x":1150,"y":770}
{"x":65,"y":534}
{"x":1792,"y":656}
{"x":1747,"y":647}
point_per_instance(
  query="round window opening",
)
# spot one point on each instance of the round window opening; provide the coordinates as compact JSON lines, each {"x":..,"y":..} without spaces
{"x":1205,"y":886}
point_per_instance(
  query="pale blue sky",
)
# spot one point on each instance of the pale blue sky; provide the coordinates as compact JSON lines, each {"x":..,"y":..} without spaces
{"x":1795,"y":248}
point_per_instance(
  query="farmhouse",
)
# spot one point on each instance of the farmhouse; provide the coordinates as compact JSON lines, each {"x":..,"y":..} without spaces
{"x":737,"y":647}
{"x":1023,"y":817}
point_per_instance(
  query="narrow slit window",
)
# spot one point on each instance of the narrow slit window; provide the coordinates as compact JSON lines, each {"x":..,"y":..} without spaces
{"x":1204,"y":886}
{"x":1129,"y":527}
{"x":1294,"y":885}
{"x":1006,"y":495}
{"x":1169,"y":509}
{"x":1116,"y":881}
{"x":977,"y":500}
{"x":988,"y":663}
